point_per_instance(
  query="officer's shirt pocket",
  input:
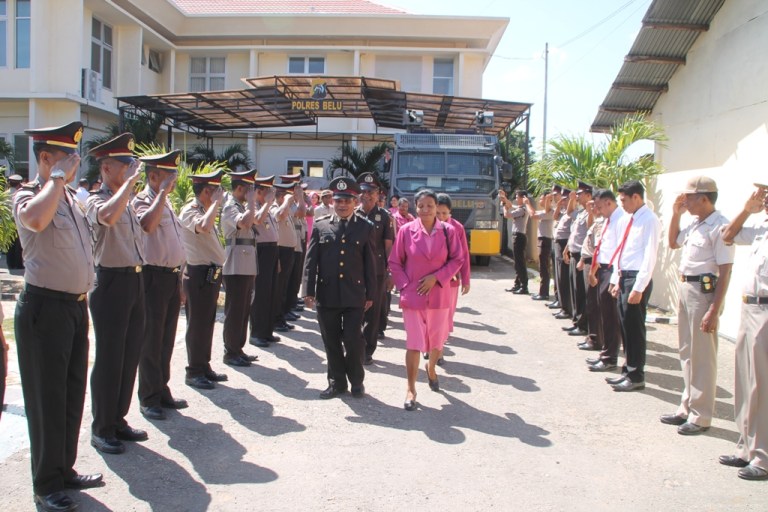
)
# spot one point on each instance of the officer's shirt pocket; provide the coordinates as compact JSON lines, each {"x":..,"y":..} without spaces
{"x":63,"y":231}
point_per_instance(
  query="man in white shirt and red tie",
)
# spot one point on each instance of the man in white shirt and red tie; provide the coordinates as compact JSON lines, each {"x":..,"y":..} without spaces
{"x":631,"y":279}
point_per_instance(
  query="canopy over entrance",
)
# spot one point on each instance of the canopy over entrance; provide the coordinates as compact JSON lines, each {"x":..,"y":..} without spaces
{"x":286,"y":101}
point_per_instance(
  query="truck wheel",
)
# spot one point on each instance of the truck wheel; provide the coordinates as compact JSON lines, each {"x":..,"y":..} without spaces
{"x":483,"y":261}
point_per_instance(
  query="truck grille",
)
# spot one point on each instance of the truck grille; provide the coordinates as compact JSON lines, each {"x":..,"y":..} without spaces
{"x":461,"y":215}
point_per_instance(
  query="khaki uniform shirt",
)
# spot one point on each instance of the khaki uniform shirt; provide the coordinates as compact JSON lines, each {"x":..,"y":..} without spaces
{"x":200,"y":248}
{"x":119,"y":245}
{"x":579,"y":228}
{"x":162,"y":247}
{"x":756,"y":235}
{"x":266,"y":231}
{"x":519,"y":216}
{"x":563,"y":229}
{"x":286,"y":233}
{"x":240,"y":244}
{"x":60,"y":257}
{"x":703,"y":247}
{"x":546,"y":223}
{"x":593,"y":237}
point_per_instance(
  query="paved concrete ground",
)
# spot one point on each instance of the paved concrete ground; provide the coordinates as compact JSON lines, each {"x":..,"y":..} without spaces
{"x":519,"y":425}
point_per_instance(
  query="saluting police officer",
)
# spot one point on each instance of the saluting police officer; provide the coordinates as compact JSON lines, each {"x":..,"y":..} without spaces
{"x":117,"y":302}
{"x":264,"y":306}
{"x":286,"y":248}
{"x":299,"y":217}
{"x":164,"y":255}
{"x":52,"y":315}
{"x":381,"y":242}
{"x":340,"y":275}
{"x":202,"y":276}
{"x":240,"y":265}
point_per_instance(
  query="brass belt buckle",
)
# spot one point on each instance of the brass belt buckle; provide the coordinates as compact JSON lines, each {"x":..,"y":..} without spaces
{"x":81,"y":297}
{"x":176,"y":270}
{"x":682,"y":278}
{"x":138,"y":268}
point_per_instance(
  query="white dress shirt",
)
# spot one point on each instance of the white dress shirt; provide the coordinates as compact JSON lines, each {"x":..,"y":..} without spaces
{"x":640,"y":249}
{"x":611,"y":237}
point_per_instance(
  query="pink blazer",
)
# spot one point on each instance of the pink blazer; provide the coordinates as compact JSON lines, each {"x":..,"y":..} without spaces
{"x":411,"y":259}
{"x":464,"y":271}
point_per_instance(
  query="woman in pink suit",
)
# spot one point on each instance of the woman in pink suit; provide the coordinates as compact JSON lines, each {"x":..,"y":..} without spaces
{"x":426,"y":255}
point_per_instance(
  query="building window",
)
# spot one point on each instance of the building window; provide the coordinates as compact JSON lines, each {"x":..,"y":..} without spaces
{"x":23,"y":13}
{"x":207,"y":74}
{"x":101,"y":51}
{"x":310,"y":167}
{"x":306,"y":65}
{"x":442,"y":77}
{"x":21,"y":155}
{"x":3,"y":33}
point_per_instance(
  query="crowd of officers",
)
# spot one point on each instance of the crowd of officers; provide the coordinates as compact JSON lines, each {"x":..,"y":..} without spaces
{"x":149,"y":261}
{"x":604,"y":251}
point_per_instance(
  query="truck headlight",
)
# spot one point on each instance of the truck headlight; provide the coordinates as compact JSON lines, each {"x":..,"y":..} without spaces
{"x":487,"y":224}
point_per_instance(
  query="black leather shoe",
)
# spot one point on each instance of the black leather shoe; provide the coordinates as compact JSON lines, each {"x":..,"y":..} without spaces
{"x":577,"y":332}
{"x":522,"y":291}
{"x":298,"y":308}
{"x":331,"y":392}
{"x":691,"y":429}
{"x":272,"y":338}
{"x":368,"y":361}
{"x":56,"y":502}
{"x":259,"y":342}
{"x":198,"y":382}
{"x":128,"y":433}
{"x":292,"y":316}
{"x":628,"y":385}
{"x":602,"y":366}
{"x":554,"y":305}
{"x":733,"y":461}
{"x":358,"y":392}
{"x":84,"y":481}
{"x":588,"y":345}
{"x":235,"y":361}
{"x":672,"y":419}
{"x":410,"y":405}
{"x":569,"y":329}
{"x":434,"y":385}
{"x":441,"y":361}
{"x":562,"y":316}
{"x":173,"y":403}
{"x":539,"y":297}
{"x":107,"y":444}
{"x":753,"y":473}
{"x":249,"y":358}
{"x":381,"y":335}
{"x":512,"y":290}
{"x":152,"y":413}
{"x":592,"y":360}
{"x":615,"y":380}
{"x":215,"y":377}
{"x":282,"y":327}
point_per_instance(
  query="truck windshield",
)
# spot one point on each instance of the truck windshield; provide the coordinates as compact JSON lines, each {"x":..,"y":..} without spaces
{"x":451,"y":172}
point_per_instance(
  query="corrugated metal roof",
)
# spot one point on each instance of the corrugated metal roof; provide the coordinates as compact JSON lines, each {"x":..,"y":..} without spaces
{"x":208,"y":7}
{"x":670,"y":28}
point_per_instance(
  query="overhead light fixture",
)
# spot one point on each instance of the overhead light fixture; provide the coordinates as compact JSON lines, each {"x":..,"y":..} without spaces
{"x":484,"y":119}
{"x":413,"y":117}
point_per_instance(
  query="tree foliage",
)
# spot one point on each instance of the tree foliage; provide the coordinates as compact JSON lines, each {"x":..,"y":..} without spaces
{"x":354,"y":162}
{"x":7,"y":224}
{"x":605,"y":164}
{"x":513,"y":148}
{"x":235,"y":157}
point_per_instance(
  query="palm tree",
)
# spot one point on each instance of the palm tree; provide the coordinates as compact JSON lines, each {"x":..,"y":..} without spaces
{"x":235,"y":157}
{"x":354,"y":162}
{"x":604,"y":165}
{"x":7,"y":224}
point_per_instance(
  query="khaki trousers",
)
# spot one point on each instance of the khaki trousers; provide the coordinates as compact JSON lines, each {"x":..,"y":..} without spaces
{"x":698,"y":356}
{"x":750,"y":396}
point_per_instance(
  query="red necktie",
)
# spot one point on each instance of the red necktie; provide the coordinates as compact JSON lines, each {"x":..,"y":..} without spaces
{"x":620,"y":248}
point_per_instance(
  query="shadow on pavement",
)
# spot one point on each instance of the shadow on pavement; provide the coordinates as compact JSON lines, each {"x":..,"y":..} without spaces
{"x":445,"y":425}
{"x":480,"y":326}
{"x":283,"y":381}
{"x":652,"y":346}
{"x":723,"y":410}
{"x":156,"y":473}
{"x":468,"y":311}
{"x":304,"y":359}
{"x":480,"y":346}
{"x":447,"y":381}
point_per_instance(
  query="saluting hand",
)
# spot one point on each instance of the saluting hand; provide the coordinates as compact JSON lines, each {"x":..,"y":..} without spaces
{"x":168,"y":183}
{"x":217,"y":195}
{"x":755,"y":202}
{"x":134,"y":172}
{"x":679,"y":207}
{"x":69,"y":164}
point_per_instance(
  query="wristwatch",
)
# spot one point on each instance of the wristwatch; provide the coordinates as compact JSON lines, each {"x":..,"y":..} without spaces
{"x":58,"y":174}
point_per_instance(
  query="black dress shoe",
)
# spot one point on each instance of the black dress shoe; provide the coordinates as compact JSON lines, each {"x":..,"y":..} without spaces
{"x":569,"y":329}
{"x":128,"y":433}
{"x":107,"y":444}
{"x":691,"y":429}
{"x":602,"y":366}
{"x":259,"y":342}
{"x":577,"y":332}
{"x":284,"y":327}
{"x":381,"y":335}
{"x":235,"y":361}
{"x":331,"y":392}
{"x":292,"y":316}
{"x":152,"y":413}
{"x":733,"y":461}
{"x":554,"y":305}
{"x":672,"y":419}
{"x":410,"y":405}
{"x":539,"y":297}
{"x":173,"y":403}
{"x":588,"y":345}
{"x":215,"y":377}
{"x":512,"y":290}
{"x":521,"y":291}
{"x":434,"y":385}
{"x":198,"y":382}
{"x":249,"y":358}
{"x":628,"y":385}
{"x":615,"y":380}
{"x":56,"y":502}
{"x":368,"y":361}
{"x":592,"y":360}
{"x":84,"y":481}
{"x":272,"y":338}
{"x":358,"y":391}
{"x":753,"y":473}
{"x":562,"y":316}
{"x":298,"y":308}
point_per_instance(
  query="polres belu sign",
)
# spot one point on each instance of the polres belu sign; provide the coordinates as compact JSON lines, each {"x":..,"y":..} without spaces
{"x":318,"y":100}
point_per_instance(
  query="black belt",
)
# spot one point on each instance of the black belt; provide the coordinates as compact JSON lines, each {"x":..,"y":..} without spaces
{"x":627,"y":273}
{"x":121,"y":270}
{"x":605,"y":266}
{"x":46,"y":292}
{"x":200,"y":267}
{"x":587,"y":261}
{"x":267,"y":243}
{"x":168,"y":270}
{"x":750,"y":299}
{"x":242,"y":241}
{"x":695,"y":279}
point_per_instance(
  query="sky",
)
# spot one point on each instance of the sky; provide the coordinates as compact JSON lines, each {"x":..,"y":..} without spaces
{"x":587,"y":44}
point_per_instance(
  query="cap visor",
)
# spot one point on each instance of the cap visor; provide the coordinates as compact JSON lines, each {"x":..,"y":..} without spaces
{"x":343,"y":195}
{"x":128,"y":160}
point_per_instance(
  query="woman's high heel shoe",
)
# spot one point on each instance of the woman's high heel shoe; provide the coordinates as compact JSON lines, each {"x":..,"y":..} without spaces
{"x":434,"y":385}
{"x":410,"y":405}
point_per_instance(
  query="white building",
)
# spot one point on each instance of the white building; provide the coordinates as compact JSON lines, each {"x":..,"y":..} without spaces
{"x":699,"y":67}
{"x":62,"y":60}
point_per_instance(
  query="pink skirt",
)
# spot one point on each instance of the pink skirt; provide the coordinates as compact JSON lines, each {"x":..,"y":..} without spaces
{"x":454,"y":302}
{"x":426,"y":329}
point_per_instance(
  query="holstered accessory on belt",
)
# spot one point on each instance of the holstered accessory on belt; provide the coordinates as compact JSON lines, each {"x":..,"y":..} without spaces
{"x":212,"y":276}
{"x":708,"y":283}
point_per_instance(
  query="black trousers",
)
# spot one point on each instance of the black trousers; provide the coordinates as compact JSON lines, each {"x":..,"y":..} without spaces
{"x":610,"y":328}
{"x":3,"y":375}
{"x":519,"y":241}
{"x":285,"y":256}
{"x":162,"y":302}
{"x":563,"y":277}
{"x":14,"y":257}
{"x":372,"y":316}
{"x":294,"y":282}
{"x":52,"y":343}
{"x":344,"y":347}
{"x":201,"y":317}
{"x":578,"y":293}
{"x":545,"y":255}
{"x":594,"y":326}
{"x":237,"y":309}
{"x":117,"y":310}
{"x":632,"y":319}
{"x":263,"y":305}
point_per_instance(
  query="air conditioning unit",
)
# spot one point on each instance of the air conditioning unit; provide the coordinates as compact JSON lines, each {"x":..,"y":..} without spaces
{"x":91,"y":85}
